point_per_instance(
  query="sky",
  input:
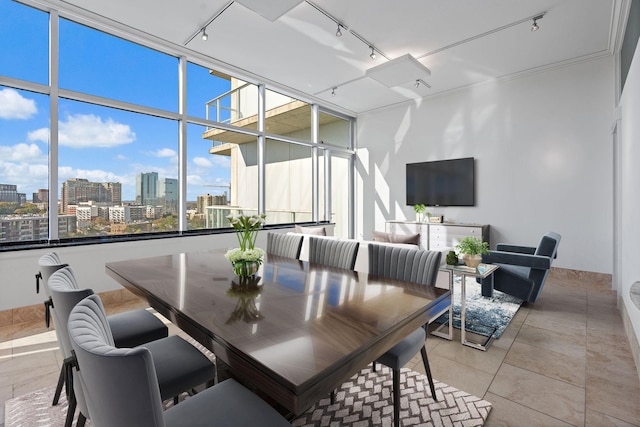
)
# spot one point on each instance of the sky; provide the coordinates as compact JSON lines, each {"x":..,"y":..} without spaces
{"x":98,"y":143}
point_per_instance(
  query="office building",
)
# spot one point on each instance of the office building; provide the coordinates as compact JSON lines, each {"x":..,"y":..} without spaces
{"x":79,"y":190}
{"x":147,"y":188}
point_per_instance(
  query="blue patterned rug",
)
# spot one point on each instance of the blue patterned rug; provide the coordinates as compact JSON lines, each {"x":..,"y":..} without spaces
{"x":485,"y":315}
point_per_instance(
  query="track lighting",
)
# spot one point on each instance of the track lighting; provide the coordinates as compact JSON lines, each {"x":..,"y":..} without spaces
{"x":333,"y":91}
{"x":373,"y":52}
{"x":205,"y":36}
{"x":338,"y":31}
{"x":417,"y":84}
{"x":535,"y":26}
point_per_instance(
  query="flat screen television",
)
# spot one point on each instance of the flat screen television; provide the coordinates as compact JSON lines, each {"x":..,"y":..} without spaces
{"x":441,"y":183}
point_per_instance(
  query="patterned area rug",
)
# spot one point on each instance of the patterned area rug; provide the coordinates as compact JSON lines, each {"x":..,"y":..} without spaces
{"x":365,"y":400}
{"x":484,"y":315}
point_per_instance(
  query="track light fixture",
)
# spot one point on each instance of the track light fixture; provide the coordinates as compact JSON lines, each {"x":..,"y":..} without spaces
{"x":373,"y":52}
{"x":535,"y":26}
{"x":338,"y":31}
{"x":333,"y":91}
{"x":205,"y":36}
{"x":417,"y":84}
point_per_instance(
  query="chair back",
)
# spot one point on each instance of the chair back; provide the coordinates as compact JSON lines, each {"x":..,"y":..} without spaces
{"x":548,"y":246}
{"x":409,"y":265}
{"x":336,"y":253}
{"x":65,"y":294}
{"x":121,"y":384}
{"x":48,"y":264}
{"x":284,"y":245}
{"x":64,"y":291}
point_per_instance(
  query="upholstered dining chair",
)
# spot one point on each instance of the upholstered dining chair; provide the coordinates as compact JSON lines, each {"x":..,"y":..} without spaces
{"x":122,"y":387}
{"x":409,"y":265}
{"x":47,"y":264}
{"x":179,"y":365}
{"x":333,"y":252}
{"x":284,"y":245}
{"x":129,"y":328}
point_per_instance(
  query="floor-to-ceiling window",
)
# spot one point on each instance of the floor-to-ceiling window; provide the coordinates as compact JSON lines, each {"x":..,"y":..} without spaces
{"x":102,"y":121}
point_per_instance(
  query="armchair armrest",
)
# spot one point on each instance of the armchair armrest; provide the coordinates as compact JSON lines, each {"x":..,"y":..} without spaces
{"x":515,"y":248}
{"x":524,"y":260}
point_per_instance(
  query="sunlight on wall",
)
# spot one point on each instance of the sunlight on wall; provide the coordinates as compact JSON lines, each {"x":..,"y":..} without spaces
{"x":383,"y":199}
{"x":402,"y":131}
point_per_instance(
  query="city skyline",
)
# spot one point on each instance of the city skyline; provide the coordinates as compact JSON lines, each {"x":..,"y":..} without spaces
{"x":96,"y":142}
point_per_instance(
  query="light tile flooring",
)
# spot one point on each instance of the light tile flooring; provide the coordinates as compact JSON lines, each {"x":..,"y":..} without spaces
{"x":563,"y":361}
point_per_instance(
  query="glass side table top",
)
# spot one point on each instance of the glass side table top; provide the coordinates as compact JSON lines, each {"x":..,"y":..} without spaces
{"x":482,"y":271}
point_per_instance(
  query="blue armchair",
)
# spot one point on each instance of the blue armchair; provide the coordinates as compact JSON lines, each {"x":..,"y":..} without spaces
{"x":523,"y":269}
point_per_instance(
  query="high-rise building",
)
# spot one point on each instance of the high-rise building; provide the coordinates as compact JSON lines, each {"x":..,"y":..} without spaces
{"x":208,"y":200}
{"x":42,"y":196}
{"x":78,"y":190}
{"x":168,"y":193}
{"x":9,"y":193}
{"x":147,"y":188}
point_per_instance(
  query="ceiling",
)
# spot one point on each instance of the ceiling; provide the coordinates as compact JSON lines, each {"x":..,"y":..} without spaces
{"x":461,"y":42}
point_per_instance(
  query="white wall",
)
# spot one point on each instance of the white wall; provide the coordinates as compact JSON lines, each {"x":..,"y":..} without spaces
{"x":543,"y":153}
{"x":629,"y":152}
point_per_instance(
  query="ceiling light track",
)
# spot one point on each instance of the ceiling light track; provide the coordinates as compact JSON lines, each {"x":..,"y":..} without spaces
{"x":341,"y":25}
{"x":479,"y":36}
{"x":423,"y":83}
{"x":202,"y":30}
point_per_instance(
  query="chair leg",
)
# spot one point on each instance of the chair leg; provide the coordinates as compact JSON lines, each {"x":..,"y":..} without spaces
{"x":425,"y":360}
{"x":374,"y":366}
{"x":81,"y":420}
{"x":61,"y":381}
{"x":176,"y":399}
{"x":396,"y":397}
{"x":333,"y":397}
{"x":71,"y":410}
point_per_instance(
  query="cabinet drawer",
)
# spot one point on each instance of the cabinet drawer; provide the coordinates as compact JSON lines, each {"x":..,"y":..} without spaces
{"x":466,"y":231}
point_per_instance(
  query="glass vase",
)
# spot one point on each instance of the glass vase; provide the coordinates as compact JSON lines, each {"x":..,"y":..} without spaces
{"x":244,"y":268}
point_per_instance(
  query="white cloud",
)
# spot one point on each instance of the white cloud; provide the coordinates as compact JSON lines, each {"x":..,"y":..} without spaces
{"x":15,"y":106}
{"x":203,"y":162}
{"x":165,"y":152}
{"x":22,"y":153}
{"x":88,"y":130}
{"x":93,"y":175}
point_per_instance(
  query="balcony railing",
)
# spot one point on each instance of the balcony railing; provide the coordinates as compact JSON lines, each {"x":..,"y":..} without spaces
{"x":226,"y":108}
{"x":216,"y":216}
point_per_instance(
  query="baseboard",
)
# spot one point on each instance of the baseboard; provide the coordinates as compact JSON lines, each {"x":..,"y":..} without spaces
{"x":631,"y":336}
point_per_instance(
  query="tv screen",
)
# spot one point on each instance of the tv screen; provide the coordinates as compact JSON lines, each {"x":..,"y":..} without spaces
{"x":441,"y":183}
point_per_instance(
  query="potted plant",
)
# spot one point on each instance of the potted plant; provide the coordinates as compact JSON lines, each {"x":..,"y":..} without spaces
{"x":420,"y":208}
{"x":471,"y":248}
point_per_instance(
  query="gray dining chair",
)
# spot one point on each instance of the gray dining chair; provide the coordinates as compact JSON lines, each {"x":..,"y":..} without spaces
{"x":284,"y":245}
{"x":179,"y":365}
{"x":129,"y":328}
{"x":409,"y":265}
{"x":122,"y":388}
{"x":48,"y":264}
{"x":336,"y":253}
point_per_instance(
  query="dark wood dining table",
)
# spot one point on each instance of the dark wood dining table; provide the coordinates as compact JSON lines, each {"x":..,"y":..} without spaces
{"x":295,"y":331}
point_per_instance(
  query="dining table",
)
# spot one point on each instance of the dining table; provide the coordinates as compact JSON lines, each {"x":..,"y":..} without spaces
{"x":292,"y":332}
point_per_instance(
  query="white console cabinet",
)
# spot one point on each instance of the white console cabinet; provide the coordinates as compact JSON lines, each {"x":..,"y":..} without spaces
{"x":439,"y":237}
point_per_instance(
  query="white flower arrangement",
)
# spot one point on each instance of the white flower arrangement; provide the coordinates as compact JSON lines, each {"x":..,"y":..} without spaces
{"x":252,"y":255}
{"x":246,"y":227}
